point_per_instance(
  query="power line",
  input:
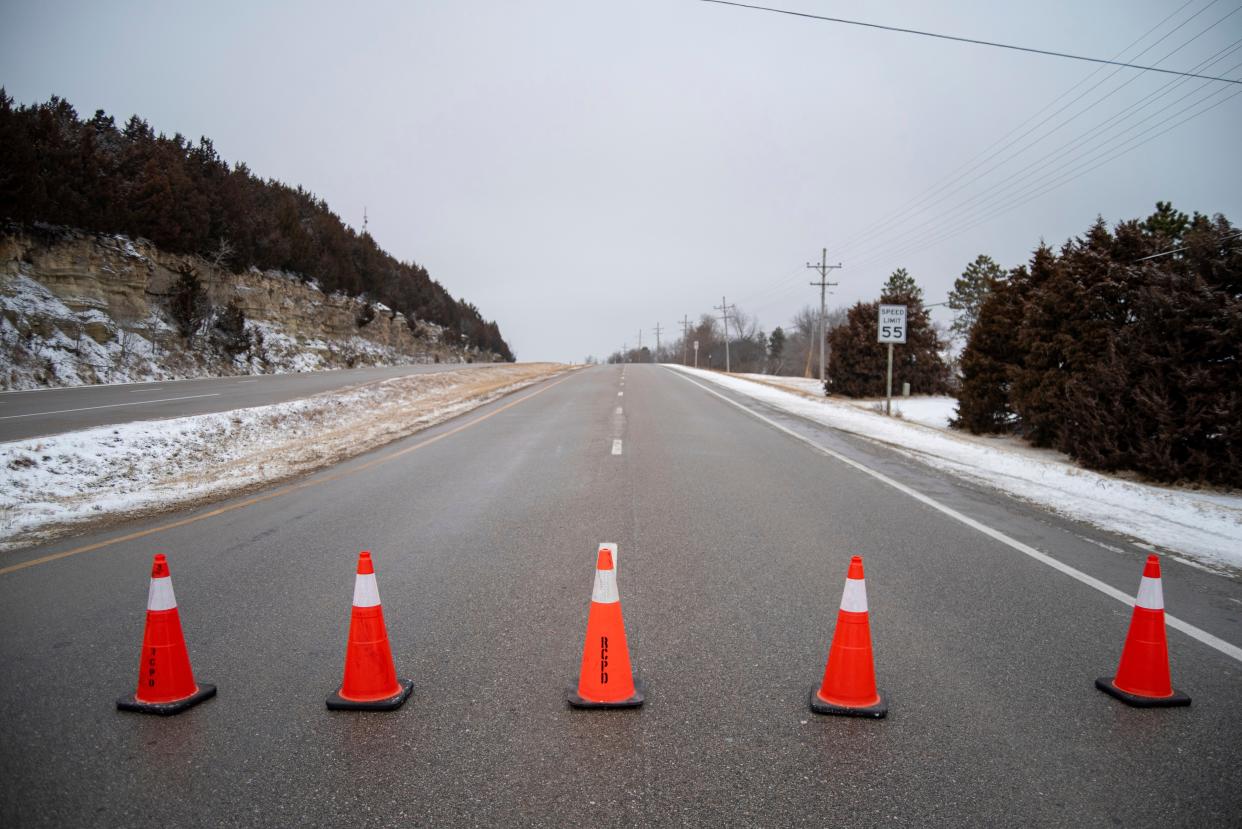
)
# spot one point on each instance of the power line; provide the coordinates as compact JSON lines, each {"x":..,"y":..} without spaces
{"x":950,"y":187}
{"x":1096,"y":141}
{"x":1068,"y":146}
{"x":1029,"y":197}
{"x":969,"y":40}
{"x":1112,"y":138}
{"x":1064,"y":174}
{"x":954,"y":182}
{"x":995,"y":148}
{"x":1084,"y":139}
{"x":1187,"y":247}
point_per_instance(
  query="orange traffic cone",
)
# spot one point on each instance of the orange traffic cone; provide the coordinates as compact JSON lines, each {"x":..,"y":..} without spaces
{"x":165,"y":680}
{"x":849,"y":677}
{"x":606,"y":679}
{"x":1143,"y":675}
{"x":370,"y":682}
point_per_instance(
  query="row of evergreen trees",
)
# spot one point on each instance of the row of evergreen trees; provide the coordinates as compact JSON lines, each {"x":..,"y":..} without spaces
{"x":1121,"y":349}
{"x":59,"y":169}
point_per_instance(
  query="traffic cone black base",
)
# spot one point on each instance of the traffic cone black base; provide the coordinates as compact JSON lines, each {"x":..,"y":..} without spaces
{"x":877,"y":711}
{"x":1105,"y":684}
{"x":632,"y":702}
{"x":336,"y":702}
{"x":165,"y":709}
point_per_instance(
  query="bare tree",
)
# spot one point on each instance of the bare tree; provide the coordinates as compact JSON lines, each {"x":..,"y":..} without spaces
{"x":223,"y":252}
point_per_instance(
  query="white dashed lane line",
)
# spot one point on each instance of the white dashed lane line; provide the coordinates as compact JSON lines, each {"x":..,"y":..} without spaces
{"x":616,"y":447}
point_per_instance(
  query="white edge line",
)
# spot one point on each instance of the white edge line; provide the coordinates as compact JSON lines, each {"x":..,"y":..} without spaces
{"x":112,"y":405}
{"x":1091,"y":581}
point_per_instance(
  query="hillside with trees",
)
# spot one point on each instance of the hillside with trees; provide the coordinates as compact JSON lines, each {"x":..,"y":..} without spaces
{"x":1120,"y":349}
{"x":56,"y":168}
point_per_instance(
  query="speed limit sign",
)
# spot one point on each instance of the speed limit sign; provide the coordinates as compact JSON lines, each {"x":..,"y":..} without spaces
{"x":892,"y":324}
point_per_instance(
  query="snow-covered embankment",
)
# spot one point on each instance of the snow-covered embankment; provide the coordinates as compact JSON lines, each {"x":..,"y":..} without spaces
{"x":1197,"y":524}
{"x":50,"y":486}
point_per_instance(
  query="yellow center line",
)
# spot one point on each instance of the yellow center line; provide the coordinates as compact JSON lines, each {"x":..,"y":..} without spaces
{"x":276,"y":493}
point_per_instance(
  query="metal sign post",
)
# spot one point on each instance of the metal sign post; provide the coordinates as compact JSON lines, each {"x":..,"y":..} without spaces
{"x":696,"y":353}
{"x":891,"y":329}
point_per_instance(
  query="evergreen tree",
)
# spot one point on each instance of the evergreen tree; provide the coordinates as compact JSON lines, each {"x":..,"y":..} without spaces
{"x":229,"y":330}
{"x":858,"y":363}
{"x":188,"y":302}
{"x":901,"y":284}
{"x":1064,"y":329}
{"x":776,"y":350}
{"x":917,"y":361}
{"x":1164,"y":395}
{"x":969,"y":291}
{"x":991,"y":357}
{"x":1166,"y":225}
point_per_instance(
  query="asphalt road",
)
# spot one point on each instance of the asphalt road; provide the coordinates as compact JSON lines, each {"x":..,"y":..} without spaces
{"x":40,"y":412}
{"x":734,"y":540}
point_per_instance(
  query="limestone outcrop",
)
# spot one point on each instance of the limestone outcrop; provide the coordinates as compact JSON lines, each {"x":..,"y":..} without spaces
{"x":88,"y":308}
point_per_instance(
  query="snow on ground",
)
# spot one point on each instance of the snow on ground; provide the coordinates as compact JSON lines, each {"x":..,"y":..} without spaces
{"x":70,"y":359}
{"x":49,"y":483}
{"x":930,"y":410}
{"x":1203,"y":526}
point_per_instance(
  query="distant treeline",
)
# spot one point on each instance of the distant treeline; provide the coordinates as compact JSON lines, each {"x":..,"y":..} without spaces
{"x":57,"y":168}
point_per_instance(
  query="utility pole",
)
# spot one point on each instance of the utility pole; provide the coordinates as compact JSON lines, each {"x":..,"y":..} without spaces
{"x":723,"y":308}
{"x":685,"y":335}
{"x":657,"y":354}
{"x":822,"y":268}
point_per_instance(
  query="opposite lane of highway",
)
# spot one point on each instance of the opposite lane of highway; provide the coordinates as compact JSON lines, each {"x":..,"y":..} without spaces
{"x":734,"y":540}
{"x":40,"y":412}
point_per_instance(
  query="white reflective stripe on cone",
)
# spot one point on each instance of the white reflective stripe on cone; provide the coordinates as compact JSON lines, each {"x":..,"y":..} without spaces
{"x":160,"y":594}
{"x":611,"y":547}
{"x":366,"y":590}
{"x":605,"y":591}
{"x":854,"y":599}
{"x":1150,"y":594}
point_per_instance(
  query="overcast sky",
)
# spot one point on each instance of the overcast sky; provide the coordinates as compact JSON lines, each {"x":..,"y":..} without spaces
{"x":582,"y":170}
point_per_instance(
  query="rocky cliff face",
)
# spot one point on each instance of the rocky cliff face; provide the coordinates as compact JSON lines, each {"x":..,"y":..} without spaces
{"x":87,"y":308}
